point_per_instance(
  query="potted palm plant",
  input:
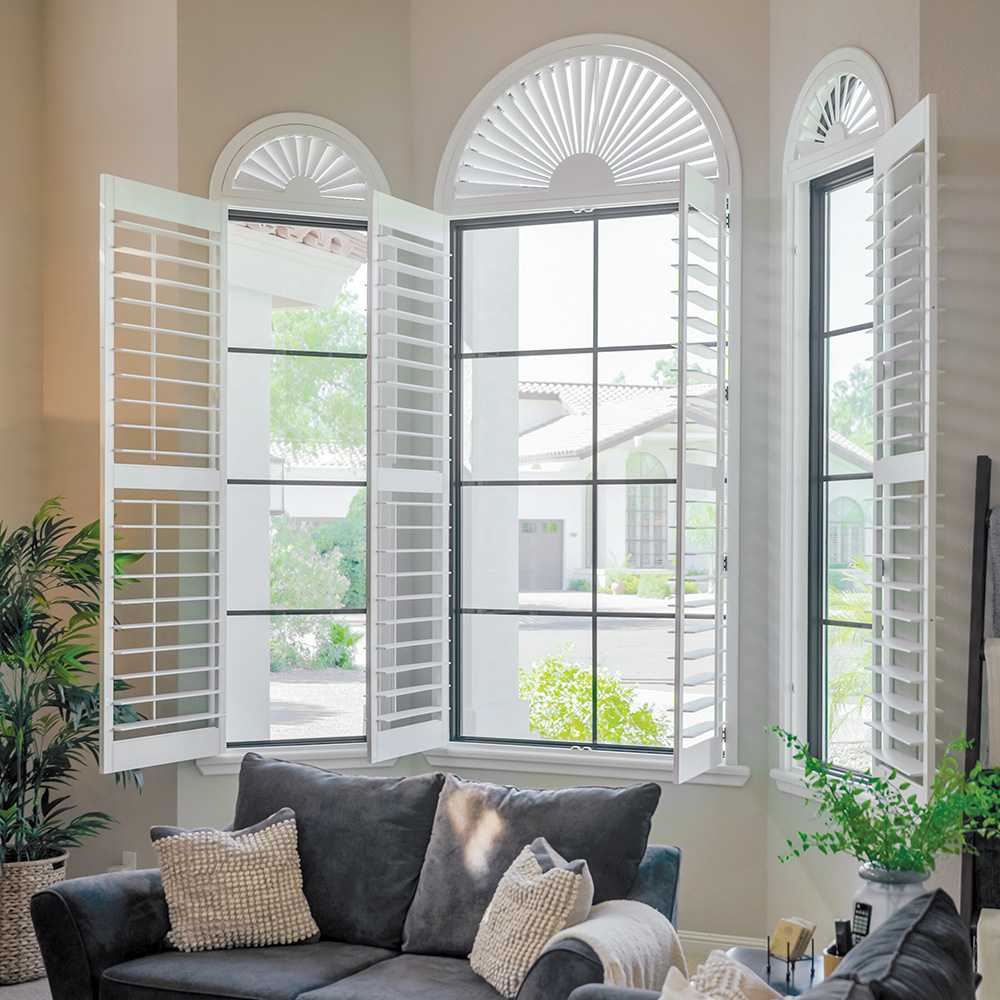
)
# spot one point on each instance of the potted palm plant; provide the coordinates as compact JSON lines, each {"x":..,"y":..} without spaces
{"x":880,"y":821}
{"x":50,"y":580}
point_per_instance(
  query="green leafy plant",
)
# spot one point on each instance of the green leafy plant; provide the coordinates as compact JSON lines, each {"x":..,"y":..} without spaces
{"x":655,"y":585}
{"x":580,"y":584}
{"x":560,"y":704}
{"x":881,"y":822}
{"x":50,"y":587}
{"x":337,"y":649}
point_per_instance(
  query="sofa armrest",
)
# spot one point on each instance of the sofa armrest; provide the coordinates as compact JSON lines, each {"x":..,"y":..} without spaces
{"x":86,"y":925}
{"x":560,"y":970}
{"x":657,"y":880}
{"x":601,"y":992}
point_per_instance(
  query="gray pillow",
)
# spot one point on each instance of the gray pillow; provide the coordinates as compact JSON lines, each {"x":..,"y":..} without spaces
{"x":479,"y":829}
{"x":361,"y":841}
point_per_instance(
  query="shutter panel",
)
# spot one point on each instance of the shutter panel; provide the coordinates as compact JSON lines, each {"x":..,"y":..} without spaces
{"x":905,"y":400}
{"x":163,"y":353}
{"x":409,"y":287}
{"x":702,"y":481}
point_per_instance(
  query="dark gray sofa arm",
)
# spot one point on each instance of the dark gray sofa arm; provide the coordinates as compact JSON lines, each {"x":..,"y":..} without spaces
{"x":658,"y":878}
{"x":86,"y":925}
{"x":602,"y":992}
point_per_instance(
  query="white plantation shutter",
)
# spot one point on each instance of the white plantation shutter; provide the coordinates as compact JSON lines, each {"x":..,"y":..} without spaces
{"x":905,"y":397}
{"x":409,"y":286}
{"x":702,"y":601}
{"x":162,"y":350}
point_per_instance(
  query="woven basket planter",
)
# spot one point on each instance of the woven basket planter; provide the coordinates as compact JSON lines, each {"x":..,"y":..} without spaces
{"x":20,"y":958}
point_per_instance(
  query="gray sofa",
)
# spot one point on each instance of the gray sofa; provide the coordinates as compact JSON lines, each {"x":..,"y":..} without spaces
{"x":397,"y":871}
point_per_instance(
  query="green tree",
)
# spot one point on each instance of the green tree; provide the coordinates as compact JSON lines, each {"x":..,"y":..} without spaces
{"x":347,"y":536}
{"x":665,"y":370}
{"x":851,"y":405}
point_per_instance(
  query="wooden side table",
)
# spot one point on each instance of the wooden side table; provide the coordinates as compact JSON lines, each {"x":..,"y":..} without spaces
{"x":801,"y":978}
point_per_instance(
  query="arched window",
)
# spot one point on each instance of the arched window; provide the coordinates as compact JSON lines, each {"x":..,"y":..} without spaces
{"x":646,"y":513}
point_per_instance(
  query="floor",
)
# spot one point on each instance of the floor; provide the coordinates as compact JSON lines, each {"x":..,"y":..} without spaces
{"x":38,"y":990}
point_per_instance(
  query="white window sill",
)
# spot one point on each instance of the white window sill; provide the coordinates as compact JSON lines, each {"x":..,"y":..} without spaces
{"x":791,"y":782}
{"x":610,"y":764}
{"x":337,"y":757}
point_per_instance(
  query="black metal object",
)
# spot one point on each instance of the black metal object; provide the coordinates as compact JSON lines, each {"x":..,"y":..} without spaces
{"x":819,"y":475}
{"x":978,"y":870}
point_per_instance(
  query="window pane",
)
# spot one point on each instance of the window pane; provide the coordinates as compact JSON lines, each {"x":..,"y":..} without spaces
{"x":849,"y":403}
{"x":848,"y":550}
{"x":850,"y":233}
{"x":297,"y":417}
{"x":848,"y":682}
{"x":527,"y":678}
{"x":528,"y":287}
{"x":635,"y":677}
{"x":297,"y":287}
{"x":295,"y":677}
{"x":636,"y":566}
{"x":526,"y":547}
{"x":636,"y":281}
{"x":296,"y":547}
{"x":527,"y":418}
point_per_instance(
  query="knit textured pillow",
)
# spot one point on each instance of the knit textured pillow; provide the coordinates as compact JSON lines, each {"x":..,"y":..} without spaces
{"x":723,"y":978}
{"x":539,"y":895}
{"x":234,"y":889}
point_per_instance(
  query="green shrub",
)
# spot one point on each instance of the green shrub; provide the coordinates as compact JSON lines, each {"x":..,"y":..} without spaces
{"x":559,"y":697}
{"x":338,"y":648}
{"x":627,"y":578}
{"x":690,"y":587}
{"x":657,"y":585}
{"x":580,"y":584}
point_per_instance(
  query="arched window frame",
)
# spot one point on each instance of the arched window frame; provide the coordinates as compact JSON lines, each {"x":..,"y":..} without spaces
{"x":800,"y":167}
{"x":647,"y":543}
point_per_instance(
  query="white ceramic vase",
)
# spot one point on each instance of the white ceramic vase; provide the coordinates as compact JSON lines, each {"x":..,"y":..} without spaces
{"x":886,"y":891}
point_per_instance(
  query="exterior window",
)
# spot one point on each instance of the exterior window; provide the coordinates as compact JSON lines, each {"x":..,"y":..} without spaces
{"x":841,"y":433}
{"x":565,"y":441}
{"x":296,"y":480}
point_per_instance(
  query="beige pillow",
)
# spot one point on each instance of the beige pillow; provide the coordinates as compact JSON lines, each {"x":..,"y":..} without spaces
{"x":719,"y":978}
{"x":539,"y":895}
{"x":236,"y":888}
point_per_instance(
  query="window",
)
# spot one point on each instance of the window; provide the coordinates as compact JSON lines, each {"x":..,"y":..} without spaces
{"x":296,"y":546}
{"x":566,"y":358}
{"x":841,"y":434}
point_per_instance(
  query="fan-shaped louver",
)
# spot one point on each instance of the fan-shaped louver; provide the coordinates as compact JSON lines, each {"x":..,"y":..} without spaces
{"x":306,"y":163}
{"x":585,"y":123}
{"x":842,"y":108}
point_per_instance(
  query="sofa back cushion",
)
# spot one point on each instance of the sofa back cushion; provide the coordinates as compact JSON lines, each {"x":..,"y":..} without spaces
{"x":922,"y":951}
{"x":479,"y":829}
{"x":361,"y":841}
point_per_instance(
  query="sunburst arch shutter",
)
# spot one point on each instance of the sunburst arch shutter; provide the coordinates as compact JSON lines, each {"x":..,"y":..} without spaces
{"x":408,"y":498}
{"x":163,"y":340}
{"x":905,"y":406}
{"x":700,"y":674}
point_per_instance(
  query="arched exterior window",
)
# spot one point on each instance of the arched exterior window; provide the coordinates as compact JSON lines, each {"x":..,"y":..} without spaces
{"x":297,"y":163}
{"x":647,"y":536}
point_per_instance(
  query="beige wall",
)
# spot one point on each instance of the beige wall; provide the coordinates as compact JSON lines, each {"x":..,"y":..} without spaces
{"x":21,"y":439}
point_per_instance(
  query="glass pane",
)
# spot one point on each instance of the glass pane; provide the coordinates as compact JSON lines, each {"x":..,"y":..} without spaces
{"x":526,"y":547}
{"x":297,"y":287}
{"x":850,"y":232}
{"x":635,"y":677}
{"x":528,"y":288}
{"x":296,"y":547}
{"x":850,"y":429}
{"x":848,"y":550}
{"x":848,"y":682}
{"x":636,"y":566}
{"x":527,"y":678}
{"x":296,"y":677}
{"x":636,"y":281}
{"x":297,"y":417}
{"x":527,"y":418}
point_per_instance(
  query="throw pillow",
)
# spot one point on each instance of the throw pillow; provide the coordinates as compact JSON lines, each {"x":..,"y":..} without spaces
{"x":362,"y":841}
{"x":234,"y":889}
{"x":479,"y":829}
{"x":540,"y":894}
{"x":723,"y":978}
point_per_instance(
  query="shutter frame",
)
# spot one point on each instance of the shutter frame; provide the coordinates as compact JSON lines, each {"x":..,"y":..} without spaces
{"x":409,"y":479}
{"x":166,"y":214}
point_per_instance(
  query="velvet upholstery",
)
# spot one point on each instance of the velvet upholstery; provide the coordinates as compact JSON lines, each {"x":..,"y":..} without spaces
{"x":86,"y":925}
{"x":362,"y":841}
{"x":480,"y":828}
{"x":281,"y":972}
{"x":657,"y":880}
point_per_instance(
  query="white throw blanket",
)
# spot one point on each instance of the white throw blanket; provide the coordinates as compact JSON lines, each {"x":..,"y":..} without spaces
{"x":636,"y":944}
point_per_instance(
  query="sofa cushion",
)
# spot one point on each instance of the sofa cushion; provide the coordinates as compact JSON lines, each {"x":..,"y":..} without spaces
{"x":415,"y":977}
{"x":479,"y":829}
{"x":362,"y":841}
{"x":276,"y":973}
{"x":922,"y":950}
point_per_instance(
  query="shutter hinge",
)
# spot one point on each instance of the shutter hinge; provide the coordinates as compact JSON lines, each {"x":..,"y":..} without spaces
{"x":725,"y":564}
{"x":725,"y":392}
{"x":729,"y":214}
{"x":724,"y":733}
